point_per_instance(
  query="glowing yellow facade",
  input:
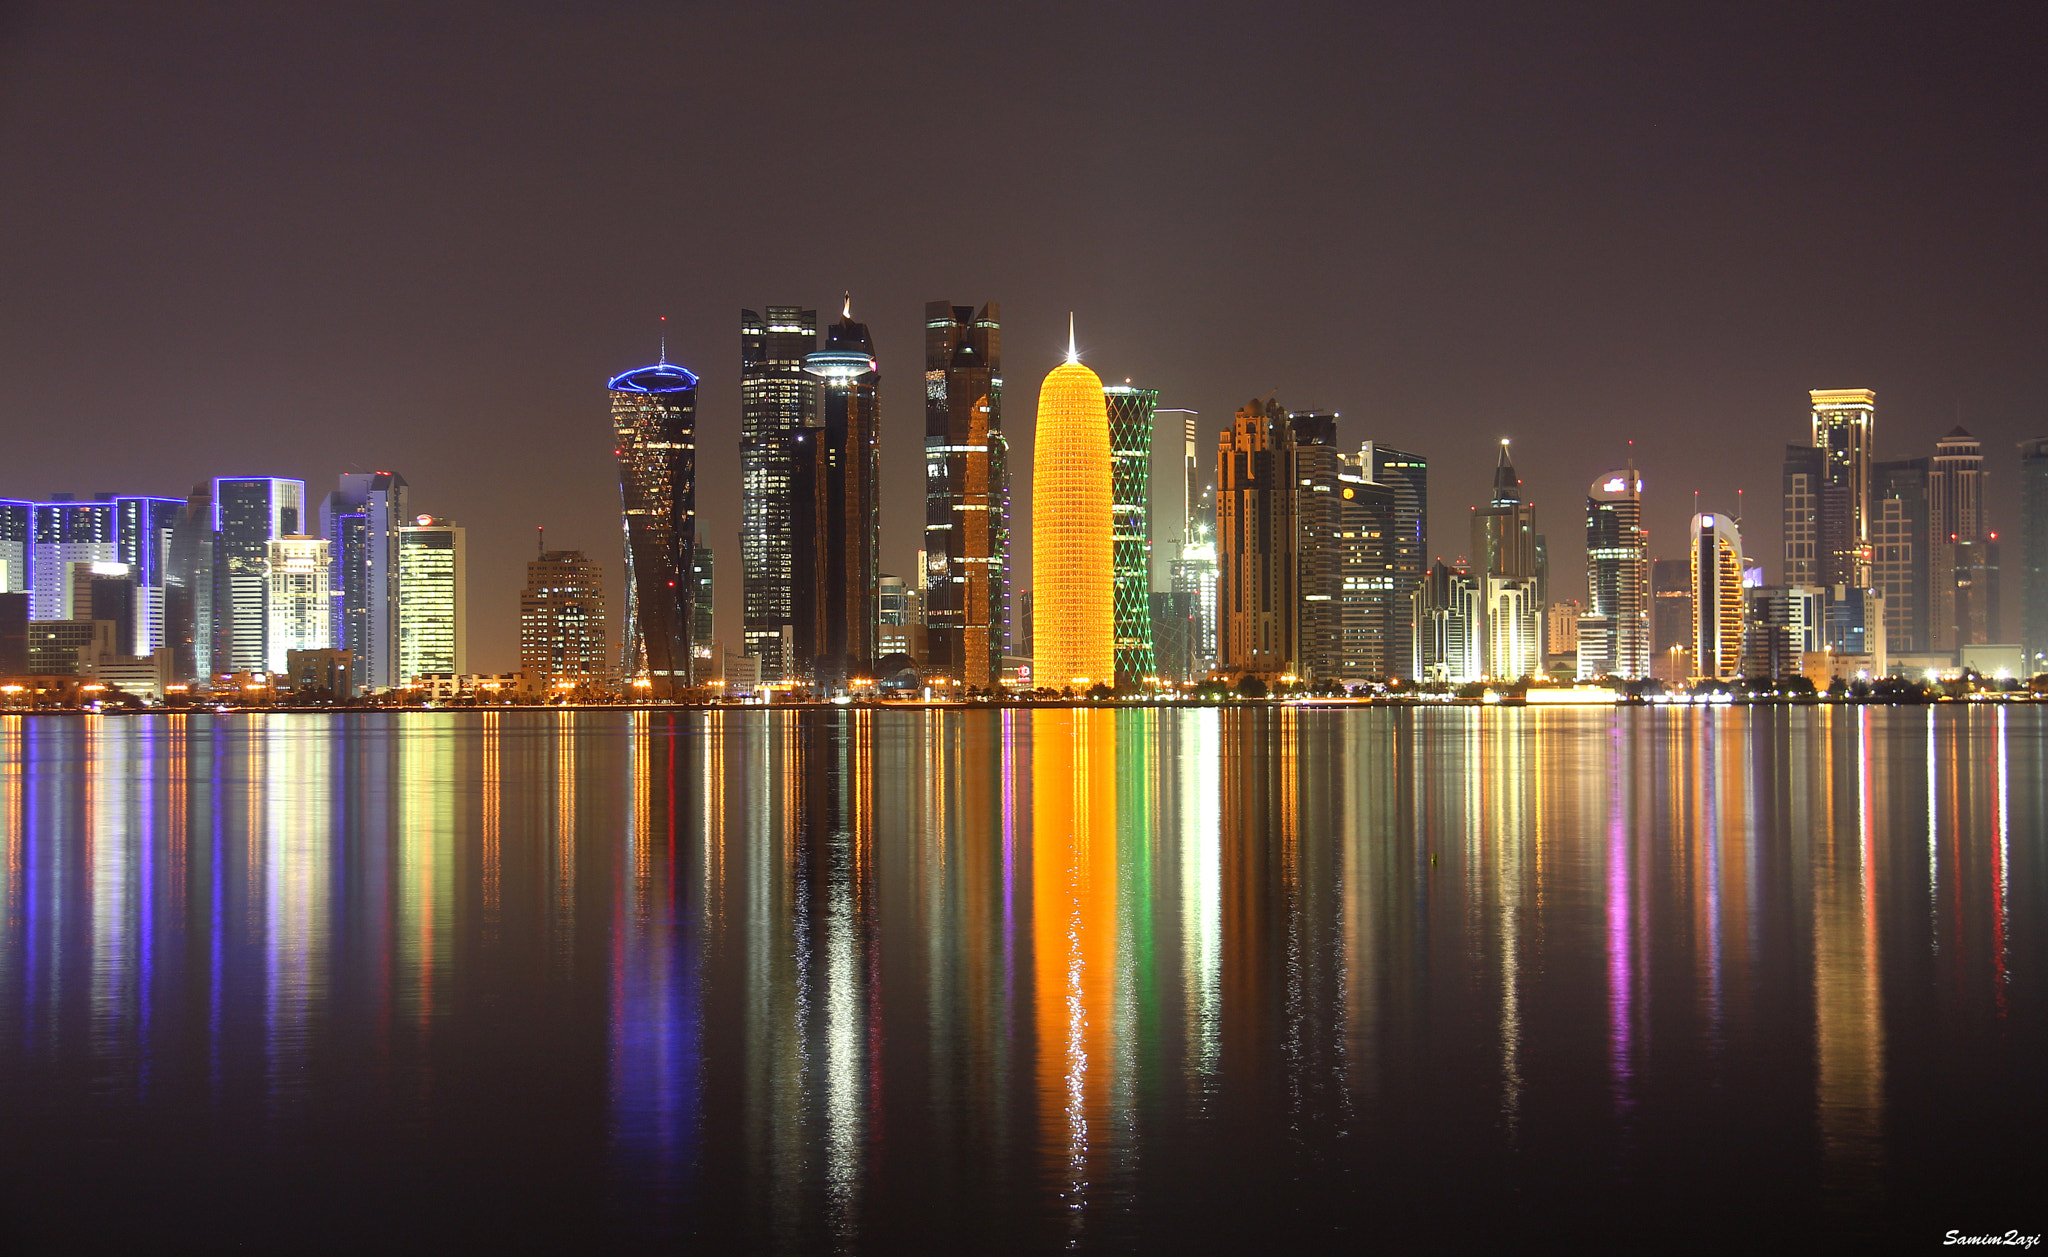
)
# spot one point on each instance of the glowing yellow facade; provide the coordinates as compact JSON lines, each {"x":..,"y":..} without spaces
{"x":1072,"y":554}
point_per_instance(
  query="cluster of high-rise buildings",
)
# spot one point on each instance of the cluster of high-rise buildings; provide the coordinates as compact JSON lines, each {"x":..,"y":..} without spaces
{"x":1293,"y":560}
{"x":244,"y":577}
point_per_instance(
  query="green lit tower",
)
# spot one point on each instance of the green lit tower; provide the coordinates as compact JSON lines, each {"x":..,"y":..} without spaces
{"x":1130,"y":494}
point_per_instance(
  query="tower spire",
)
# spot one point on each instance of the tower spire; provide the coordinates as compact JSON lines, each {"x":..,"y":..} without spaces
{"x":663,"y":358}
{"x":1073,"y":355}
{"x":846,"y":311}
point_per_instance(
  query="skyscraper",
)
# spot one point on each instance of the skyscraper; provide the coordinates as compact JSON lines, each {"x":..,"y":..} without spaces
{"x":249,"y":513}
{"x":966,"y":580}
{"x":1369,"y":604}
{"x":1805,"y":480}
{"x":561,"y":621}
{"x":1316,"y":475}
{"x":703,"y":605}
{"x":1901,"y":553}
{"x":1408,"y":552}
{"x":1256,"y":533}
{"x":1963,"y":579}
{"x":1717,"y":597}
{"x":433,"y":617}
{"x":654,"y":417}
{"x":1843,"y":422}
{"x":16,"y":528}
{"x":1448,"y":624}
{"x":189,"y":589}
{"x":2034,"y":552}
{"x":1130,"y":444}
{"x":66,"y":531}
{"x":838,"y":571}
{"x":298,"y":576}
{"x":1073,"y":576}
{"x":360,"y":519}
{"x":775,"y":408}
{"x":1503,"y":554}
{"x":1614,"y":631}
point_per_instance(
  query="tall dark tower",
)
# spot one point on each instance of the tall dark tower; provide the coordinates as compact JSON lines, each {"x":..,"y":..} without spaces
{"x":775,"y":406}
{"x":2034,"y":553}
{"x":967,"y":495}
{"x":1408,"y":551}
{"x":838,"y":562}
{"x":654,"y":413}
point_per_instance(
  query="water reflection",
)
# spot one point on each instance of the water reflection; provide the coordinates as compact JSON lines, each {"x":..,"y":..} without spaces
{"x":1086,"y":977}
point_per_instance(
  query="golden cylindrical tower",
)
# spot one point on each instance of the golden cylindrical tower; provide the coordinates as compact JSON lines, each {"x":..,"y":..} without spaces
{"x":1072,"y":556}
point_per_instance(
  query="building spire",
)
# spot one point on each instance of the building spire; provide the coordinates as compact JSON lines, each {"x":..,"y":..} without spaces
{"x":846,"y":311}
{"x":1073,"y":355}
{"x":663,"y":358}
{"x":1507,"y":486}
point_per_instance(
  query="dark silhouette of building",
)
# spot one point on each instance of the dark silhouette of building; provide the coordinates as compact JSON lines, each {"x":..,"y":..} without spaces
{"x":2034,"y":552}
{"x":654,"y":417}
{"x":838,"y":569}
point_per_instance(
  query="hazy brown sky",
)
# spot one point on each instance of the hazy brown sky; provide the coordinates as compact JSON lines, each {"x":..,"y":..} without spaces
{"x":246,"y":239}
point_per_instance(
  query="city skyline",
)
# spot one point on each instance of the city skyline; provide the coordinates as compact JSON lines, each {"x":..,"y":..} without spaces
{"x":1548,"y":228}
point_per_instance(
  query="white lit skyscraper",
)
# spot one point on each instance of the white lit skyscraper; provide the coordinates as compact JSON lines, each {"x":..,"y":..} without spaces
{"x":1717,"y":601}
{"x":432,"y":611}
{"x":298,"y":595}
{"x":249,"y":512}
{"x":1614,"y":632}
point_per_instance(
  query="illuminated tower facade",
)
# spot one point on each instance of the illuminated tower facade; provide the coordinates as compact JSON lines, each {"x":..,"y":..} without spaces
{"x":654,"y":420}
{"x":15,"y":531}
{"x":249,"y":512}
{"x":775,"y":402}
{"x":65,"y":532}
{"x":1131,"y":412}
{"x":1257,"y":597}
{"x":1506,"y":566}
{"x":1901,"y":551}
{"x":360,"y":520}
{"x":1614,"y":632}
{"x":433,"y":602}
{"x":561,"y":621}
{"x":1843,"y":422}
{"x":1964,"y":575}
{"x":1072,"y":548}
{"x":966,"y":580}
{"x":1717,"y":601}
{"x":299,"y":590}
{"x":1407,"y":475}
{"x":838,"y":564}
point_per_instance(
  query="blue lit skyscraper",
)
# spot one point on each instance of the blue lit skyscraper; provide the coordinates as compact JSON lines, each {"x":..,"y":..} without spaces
{"x":66,"y":532}
{"x":654,"y":420}
{"x":360,"y":520}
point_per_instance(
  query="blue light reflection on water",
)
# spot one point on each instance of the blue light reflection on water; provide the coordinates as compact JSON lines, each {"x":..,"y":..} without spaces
{"x":1085,"y":977}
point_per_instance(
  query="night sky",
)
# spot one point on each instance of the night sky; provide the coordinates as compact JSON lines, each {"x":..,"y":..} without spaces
{"x":261,"y":239}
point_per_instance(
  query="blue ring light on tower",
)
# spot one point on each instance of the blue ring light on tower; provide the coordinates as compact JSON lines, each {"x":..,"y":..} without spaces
{"x":663,"y":377}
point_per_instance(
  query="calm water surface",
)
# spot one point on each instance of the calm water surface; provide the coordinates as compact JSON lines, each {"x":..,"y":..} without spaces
{"x":1022,"y":980}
